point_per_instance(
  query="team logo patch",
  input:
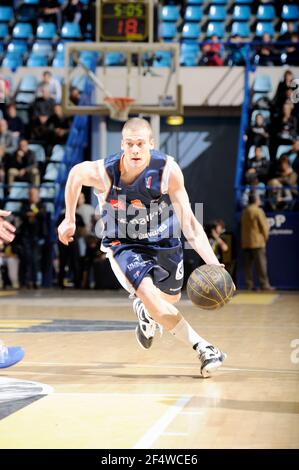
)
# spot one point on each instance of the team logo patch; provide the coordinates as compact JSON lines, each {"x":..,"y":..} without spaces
{"x":117,"y":204}
{"x":148,"y":182}
{"x":137,"y":203}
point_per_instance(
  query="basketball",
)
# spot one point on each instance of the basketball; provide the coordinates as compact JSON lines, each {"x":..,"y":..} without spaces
{"x":210,"y":287}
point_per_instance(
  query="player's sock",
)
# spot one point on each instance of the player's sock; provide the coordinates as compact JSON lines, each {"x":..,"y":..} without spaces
{"x":184,"y":332}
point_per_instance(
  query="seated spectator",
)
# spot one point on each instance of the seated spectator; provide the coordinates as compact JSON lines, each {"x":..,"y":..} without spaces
{"x":50,"y":11}
{"x":278,"y":197}
{"x":290,"y":30}
{"x":286,"y":175}
{"x":256,"y":187}
{"x":44,"y":104}
{"x":14,"y":123}
{"x":266,"y":54}
{"x":257,"y":134}
{"x":212,"y":52}
{"x":60,"y":123}
{"x":54,"y":87}
{"x":7,"y":139}
{"x":295,"y":150}
{"x":292,"y":51}
{"x":42,"y":133}
{"x":237,"y":55}
{"x":214,"y":230}
{"x":284,"y":85}
{"x":72,"y":11}
{"x":257,"y":167}
{"x":287,"y":126}
{"x":22,"y":165}
{"x":75,"y":95}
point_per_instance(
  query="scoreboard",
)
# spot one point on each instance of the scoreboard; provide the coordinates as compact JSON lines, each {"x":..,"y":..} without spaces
{"x":124,"y":21}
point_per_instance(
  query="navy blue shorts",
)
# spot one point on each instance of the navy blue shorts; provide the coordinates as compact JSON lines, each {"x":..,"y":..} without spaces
{"x":132,"y":262}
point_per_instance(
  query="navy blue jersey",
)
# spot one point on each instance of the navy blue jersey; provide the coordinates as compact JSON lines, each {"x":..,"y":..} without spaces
{"x":140,"y":212}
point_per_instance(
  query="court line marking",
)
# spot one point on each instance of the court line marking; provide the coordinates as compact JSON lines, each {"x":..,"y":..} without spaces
{"x":157,"y":430}
{"x":152,"y":366}
{"x":174,"y":434}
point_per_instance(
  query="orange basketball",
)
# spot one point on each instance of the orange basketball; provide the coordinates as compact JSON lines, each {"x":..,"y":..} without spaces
{"x":210,"y":287}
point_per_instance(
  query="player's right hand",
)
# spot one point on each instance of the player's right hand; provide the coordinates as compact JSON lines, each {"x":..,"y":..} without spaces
{"x":66,"y":232}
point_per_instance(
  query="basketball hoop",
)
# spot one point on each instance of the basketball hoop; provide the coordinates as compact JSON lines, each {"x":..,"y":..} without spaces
{"x":119,"y":106}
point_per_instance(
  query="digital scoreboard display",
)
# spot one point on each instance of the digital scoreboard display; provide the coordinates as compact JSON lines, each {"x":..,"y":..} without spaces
{"x":124,"y":21}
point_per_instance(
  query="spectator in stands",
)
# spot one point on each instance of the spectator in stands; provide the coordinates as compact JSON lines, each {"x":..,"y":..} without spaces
{"x":257,"y":167}
{"x":254,"y":236}
{"x":75,"y":95}
{"x":72,"y":11}
{"x":32,"y":233}
{"x":287,"y":127}
{"x":278,"y":197}
{"x":267,"y":54}
{"x":6,"y":138}
{"x":2,"y":164}
{"x":290,"y":30}
{"x":212,"y":52}
{"x":286,"y":175}
{"x":5,"y":93}
{"x":293,"y":50}
{"x":237,"y":55}
{"x":44,"y":104}
{"x":14,"y":123}
{"x":9,"y":261}
{"x":42,"y":133}
{"x":23,"y":166}
{"x":258,"y":134}
{"x":60,"y":123}
{"x":87,"y":212}
{"x":53,"y":85}
{"x":70,"y":255}
{"x":257,"y":187}
{"x":50,"y":11}
{"x":295,"y":150}
{"x":214,"y":230}
{"x":283,"y":86}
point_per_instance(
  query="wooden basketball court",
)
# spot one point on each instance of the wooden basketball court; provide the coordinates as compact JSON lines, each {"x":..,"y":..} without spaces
{"x":85,"y":383}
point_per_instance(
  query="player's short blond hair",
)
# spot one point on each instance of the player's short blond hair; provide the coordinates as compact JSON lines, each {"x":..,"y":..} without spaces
{"x":134,"y":124}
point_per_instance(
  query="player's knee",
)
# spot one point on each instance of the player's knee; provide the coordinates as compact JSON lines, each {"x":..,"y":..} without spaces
{"x":146,"y":292}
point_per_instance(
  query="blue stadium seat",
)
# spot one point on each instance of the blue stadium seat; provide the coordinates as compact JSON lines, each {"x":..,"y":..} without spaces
{"x":18,"y":190}
{"x":70,"y":31}
{"x":282,"y":149}
{"x":58,"y":61}
{"x":41,"y":48}
{"x":17,"y":48}
{"x":31,"y":2}
{"x":37,"y":60}
{"x":57,"y":153}
{"x":12,"y":61}
{"x":217,"y":13}
{"x":60,"y":47}
{"x":262,"y":84}
{"x":114,"y":58}
{"x":51,"y":172}
{"x":162,"y":59}
{"x":39,"y":151}
{"x":195,"y":2}
{"x":25,"y":98}
{"x":3,"y":30}
{"x":265,"y":13}
{"x":284,"y":27}
{"x":290,"y":12}
{"x":264,"y":27}
{"x":47,"y":191}
{"x":26,"y":13}
{"x":215,"y":28}
{"x":193,"y":13}
{"x":240,"y":29}
{"x":191,"y":31}
{"x":241,"y":13}
{"x":170,"y":13}
{"x":189,"y":54}
{"x":28,"y":83}
{"x":12,"y":206}
{"x":242,"y":2}
{"x":46,"y":31}
{"x":6,"y":14}
{"x":22,"y":31}
{"x":168,"y":30}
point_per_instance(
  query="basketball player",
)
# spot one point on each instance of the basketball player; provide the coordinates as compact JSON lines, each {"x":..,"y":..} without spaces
{"x":13,"y":354}
{"x":136,"y":188}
